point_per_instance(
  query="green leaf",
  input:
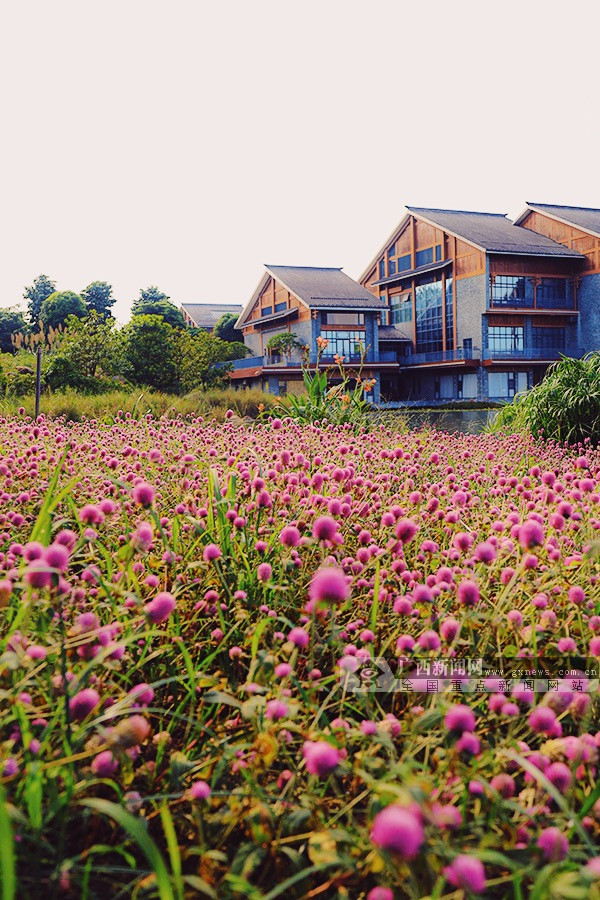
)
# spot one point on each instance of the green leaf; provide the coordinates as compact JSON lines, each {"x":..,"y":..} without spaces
{"x":7,"y":852}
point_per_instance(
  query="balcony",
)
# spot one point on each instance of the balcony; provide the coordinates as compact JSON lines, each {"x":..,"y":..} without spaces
{"x":465,"y":355}
{"x":541,"y":354}
{"x":295,"y":360}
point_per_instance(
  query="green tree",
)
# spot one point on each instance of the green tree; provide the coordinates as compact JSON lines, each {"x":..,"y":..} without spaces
{"x":150,"y":354}
{"x":35,"y":295}
{"x":283,"y":343}
{"x":153,"y":302}
{"x":226,"y":330}
{"x":98,"y":296}
{"x":200,"y":357}
{"x":11,"y":322}
{"x":57,"y":308}
{"x":90,"y":345}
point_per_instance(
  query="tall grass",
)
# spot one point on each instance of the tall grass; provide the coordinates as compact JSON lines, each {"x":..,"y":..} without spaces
{"x":210,"y":404}
{"x":565,"y":405}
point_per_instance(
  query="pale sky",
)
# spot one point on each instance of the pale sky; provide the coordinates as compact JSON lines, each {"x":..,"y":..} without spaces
{"x":185,"y":143}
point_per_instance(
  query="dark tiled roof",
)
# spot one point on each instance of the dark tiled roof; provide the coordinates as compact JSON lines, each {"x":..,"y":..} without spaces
{"x":392,"y":333}
{"x":206,"y":315}
{"x":493,"y":232}
{"x":581,"y":216}
{"x":323,"y":288}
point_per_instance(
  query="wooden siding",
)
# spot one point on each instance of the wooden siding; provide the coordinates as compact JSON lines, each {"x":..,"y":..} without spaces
{"x":568,"y":236}
{"x":532,"y":265}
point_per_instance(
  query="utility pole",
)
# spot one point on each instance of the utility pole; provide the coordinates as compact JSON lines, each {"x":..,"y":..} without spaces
{"x":38,"y":380}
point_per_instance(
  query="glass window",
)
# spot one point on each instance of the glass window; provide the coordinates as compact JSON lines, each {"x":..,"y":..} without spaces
{"x":266,"y":311}
{"x":404,"y":263}
{"x":343,"y":318}
{"x":449,"y":316}
{"x":552,"y":293}
{"x":428,"y":307}
{"x":424,"y":257}
{"x":401,"y":308}
{"x":512,"y":290}
{"x":382,"y":268}
{"x":279,"y":307}
{"x":549,"y":338}
{"x":506,"y":339}
{"x":438,"y":252}
{"x":391,"y":266}
{"x":348,"y":344}
{"x":392,"y":250}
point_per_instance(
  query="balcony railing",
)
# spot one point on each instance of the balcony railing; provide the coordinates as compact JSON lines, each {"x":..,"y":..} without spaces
{"x":464,"y":354}
{"x":295,"y":360}
{"x":534,"y":353}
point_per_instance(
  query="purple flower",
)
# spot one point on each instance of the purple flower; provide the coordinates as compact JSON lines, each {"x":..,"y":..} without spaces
{"x":290,"y":536}
{"x":460,"y":718}
{"x":82,"y":703}
{"x":329,"y":586}
{"x":320,"y":757}
{"x":398,"y":830}
{"x":212,"y":552}
{"x":466,"y":872}
{"x":531,"y":534}
{"x":468,"y":593}
{"x":159,"y":609}
{"x":143,"y":494}
{"x":104,"y":765}
{"x":299,"y":637}
{"x":200,"y":790}
{"x":553,"y":844}
{"x":325,"y":529}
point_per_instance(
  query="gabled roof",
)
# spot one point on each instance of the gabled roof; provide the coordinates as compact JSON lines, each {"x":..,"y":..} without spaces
{"x":585,"y":217}
{"x":316,"y":287}
{"x":492,"y":232}
{"x":206,"y":315}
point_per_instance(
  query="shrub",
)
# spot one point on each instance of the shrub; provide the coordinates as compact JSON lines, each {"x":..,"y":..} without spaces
{"x":565,"y":405}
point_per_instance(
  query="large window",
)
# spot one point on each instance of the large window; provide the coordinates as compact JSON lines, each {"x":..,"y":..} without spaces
{"x":343,"y":318}
{"x":449,"y":316}
{"x":428,"y":308}
{"x":549,"y":338}
{"x":503,"y":385}
{"x":505,"y":339}
{"x":401,"y":308}
{"x":424,"y":257}
{"x":349,"y":344}
{"x":266,"y":311}
{"x":512,"y":290}
{"x":552,"y":293}
{"x":404,"y":262}
{"x":279,"y":307}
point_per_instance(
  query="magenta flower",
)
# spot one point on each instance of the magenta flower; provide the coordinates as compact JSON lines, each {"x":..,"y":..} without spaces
{"x":143,"y":494}
{"x":531,"y":534}
{"x":406,"y":529}
{"x":82,"y":703}
{"x":264,"y":572}
{"x":320,"y":757}
{"x":380,"y":893}
{"x":276,"y":709}
{"x":398,"y":830}
{"x":329,"y":586}
{"x":299,"y":637}
{"x":466,"y":872}
{"x":212,"y":552}
{"x":542,"y":720}
{"x":460,"y":718}
{"x":200,"y":790}
{"x":553,"y":844}
{"x":104,"y":765}
{"x":159,"y":609}
{"x":325,"y":528}
{"x":468,"y":593}
{"x":290,"y":536}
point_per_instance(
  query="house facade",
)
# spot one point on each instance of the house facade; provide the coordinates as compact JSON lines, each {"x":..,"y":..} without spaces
{"x":485,"y":304}
{"x":206,"y":315}
{"x":310,"y":303}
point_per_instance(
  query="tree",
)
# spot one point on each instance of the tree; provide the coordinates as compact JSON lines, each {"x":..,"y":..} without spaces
{"x":35,"y":295}
{"x":11,"y":322}
{"x":151,"y":295}
{"x":283,"y":343}
{"x":98,"y":296}
{"x":90,"y":344}
{"x":150,"y":352}
{"x":153,"y":302}
{"x":57,"y":308}
{"x":200,"y":356}
{"x":226,"y":330}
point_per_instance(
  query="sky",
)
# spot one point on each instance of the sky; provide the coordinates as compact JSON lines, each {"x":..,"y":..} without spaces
{"x":185,"y":143}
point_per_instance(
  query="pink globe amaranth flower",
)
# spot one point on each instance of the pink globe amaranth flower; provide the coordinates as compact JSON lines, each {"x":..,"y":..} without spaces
{"x":129,"y":732}
{"x":91,"y":515}
{"x":142,"y":694}
{"x":299,"y":637}
{"x":466,"y":872}
{"x":560,"y":776}
{"x":567,"y":645}
{"x":321,"y":757}
{"x":160,"y":608}
{"x":592,"y":867}
{"x":468,"y":593}
{"x":485,"y":553}
{"x":504,"y":784}
{"x":143,"y":494}
{"x":10,"y":767}
{"x":290,"y":536}
{"x":32,"y":551}
{"x":542,"y":720}
{"x":82,"y":703}
{"x":143,"y":536}
{"x":264,"y":572}
{"x":57,"y":557}
{"x":460,"y":718}
{"x":276,"y":709}
{"x":429,"y":640}
{"x":595,"y":646}
{"x":531,"y":534}
{"x":553,"y":844}
{"x":104,"y":765}
{"x":36,"y":651}
{"x":398,"y":830}
{"x":37,"y":575}
{"x":200,"y":790}
{"x":325,"y":528}
{"x":449,"y":629}
{"x":468,"y":743}
{"x":380,"y":893}
{"x":576,"y":595}
{"x":406,"y":529}
{"x":329,"y":586}
{"x":212,"y":552}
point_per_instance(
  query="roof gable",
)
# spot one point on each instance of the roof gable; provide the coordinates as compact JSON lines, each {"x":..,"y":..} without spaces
{"x":584,"y":217}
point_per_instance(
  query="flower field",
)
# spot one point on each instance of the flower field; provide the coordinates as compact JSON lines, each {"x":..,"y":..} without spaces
{"x":194,"y":620}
